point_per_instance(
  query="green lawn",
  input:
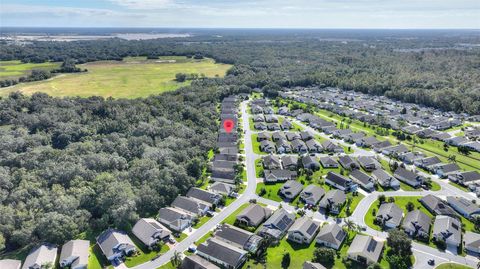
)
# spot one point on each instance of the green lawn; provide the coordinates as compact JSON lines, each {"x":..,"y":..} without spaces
{"x":452,"y":266}
{"x":16,"y":69}
{"x":144,"y":255}
{"x":202,"y":221}
{"x":256,"y":145}
{"x":463,"y":188}
{"x":251,"y":124}
{"x":259,"y":167}
{"x":231,"y":219}
{"x":272,"y":191}
{"x":131,"y":78}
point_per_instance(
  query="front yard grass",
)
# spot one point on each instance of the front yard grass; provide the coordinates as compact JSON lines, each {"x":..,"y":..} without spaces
{"x":259,"y":168}
{"x":452,"y":266}
{"x":256,"y":145}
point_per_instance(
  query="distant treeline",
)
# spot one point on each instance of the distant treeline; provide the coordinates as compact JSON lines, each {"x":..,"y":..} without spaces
{"x":424,"y":68}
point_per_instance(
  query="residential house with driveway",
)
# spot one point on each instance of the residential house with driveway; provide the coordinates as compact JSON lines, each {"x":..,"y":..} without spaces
{"x":465,"y":178}
{"x":196,"y":262}
{"x":417,"y":224}
{"x":290,"y":162}
{"x":10,"y":264}
{"x":75,"y":254}
{"x":286,"y":125}
{"x":204,"y":196}
{"x":303,"y":231}
{"x":312,"y":194}
{"x":313,"y":146}
{"x":276,"y":136}
{"x":385,"y":179}
{"x":471,"y":242}
{"x":175,"y":219}
{"x":448,"y":229}
{"x":263,"y":136}
{"x":290,"y":190}
{"x":347,"y":162}
{"x":253,"y":215}
{"x":464,"y":206}
{"x":273,"y":127}
{"x":222,"y":188}
{"x":427,"y":162}
{"x":365,"y":250}
{"x":409,"y":177}
{"x":258,"y":118}
{"x":272,"y":162}
{"x":283,"y":146}
{"x":328,"y":162}
{"x":381,"y":145}
{"x":331,"y":235}
{"x":368,"y":163}
{"x":115,"y":245}
{"x":271,"y":118}
{"x":366,"y":142}
{"x":310,"y":162}
{"x":363,"y":180}
{"x":223,"y":254}
{"x":306,"y":135}
{"x":389,"y":215}
{"x":277,"y":225}
{"x":41,"y":256}
{"x":292,"y":136}
{"x":267,"y":146}
{"x":150,"y":232}
{"x":443,"y":170}
{"x":329,"y":146}
{"x":333,"y":201}
{"x":260,"y":126}
{"x":279,"y":175}
{"x":191,"y":206}
{"x":237,"y":237}
{"x":437,"y":206}
{"x":340,"y":182}
{"x":395,"y":150}
{"x":223,"y":171}
{"x":298,"y":146}
{"x":411,"y":157}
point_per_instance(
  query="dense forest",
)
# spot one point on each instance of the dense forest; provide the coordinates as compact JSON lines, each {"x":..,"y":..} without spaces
{"x":433,"y":68}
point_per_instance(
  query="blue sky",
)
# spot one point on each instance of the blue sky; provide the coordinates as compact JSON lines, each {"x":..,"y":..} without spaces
{"x":243,"y":13}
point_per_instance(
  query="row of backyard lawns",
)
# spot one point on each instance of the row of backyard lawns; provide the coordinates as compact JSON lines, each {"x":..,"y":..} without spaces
{"x":402,"y":202}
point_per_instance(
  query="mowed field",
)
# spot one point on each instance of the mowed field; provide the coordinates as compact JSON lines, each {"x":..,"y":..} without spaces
{"x":16,"y":69}
{"x":131,"y":78}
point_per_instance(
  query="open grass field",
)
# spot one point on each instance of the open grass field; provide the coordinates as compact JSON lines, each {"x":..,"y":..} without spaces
{"x":451,"y":266}
{"x":16,"y":69}
{"x":131,"y":78}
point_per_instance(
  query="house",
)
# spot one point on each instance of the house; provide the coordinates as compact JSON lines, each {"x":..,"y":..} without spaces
{"x":303,"y":230}
{"x":365,"y":181}
{"x":443,"y":170}
{"x":365,"y":250}
{"x":408,"y":177}
{"x":341,"y":133}
{"x":292,"y":136}
{"x":291,"y":189}
{"x":273,"y":127}
{"x":447,"y":229}
{"x":385,"y":179}
{"x":253,"y":215}
{"x":263,"y":136}
{"x":381,"y":145}
{"x":395,"y":150}
{"x":279,"y":175}
{"x":283,"y":146}
{"x":75,"y":254}
{"x":283,"y":110}
{"x":40,"y":256}
{"x":223,"y":171}
{"x":340,"y":182}
{"x":222,"y":188}
{"x":310,"y":162}
{"x":272,"y":162}
{"x":258,"y":118}
{"x":411,"y":157}
{"x":471,"y":242}
{"x":465,"y":178}
{"x":333,"y":201}
{"x":331,"y":235}
{"x":196,"y":262}
{"x":312,"y":265}
{"x":267,"y":146}
{"x":175,"y":219}
{"x":191,"y":206}
{"x":352,"y":137}
{"x":347,"y":162}
{"x":426,"y":162}
{"x":115,"y":245}
{"x":437,"y":206}
{"x":286,"y":125}
{"x":368,"y":163}
{"x":260,"y":126}
{"x":329,"y":146}
{"x":313,"y":146}
{"x":312,"y":194}
{"x":473,"y":145}
{"x":268,"y":110}
{"x":204,"y":196}
{"x":256,"y":109}
{"x":223,"y":254}
{"x":328,"y":162}
{"x":277,"y":225}
{"x":367,"y":142}
{"x":457,"y":140}
{"x":290,"y":162}
{"x":150,"y":232}
{"x":239,"y":238}
{"x":417,"y":224}
{"x":299,"y":146}
{"x":306,"y":135}
{"x":271,"y":118}
{"x":463,"y":206}
{"x":10,"y":264}
{"x":389,"y":215}
{"x":276,"y":136}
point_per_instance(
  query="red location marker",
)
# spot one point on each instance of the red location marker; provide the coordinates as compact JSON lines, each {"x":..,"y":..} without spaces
{"x":228,"y":125}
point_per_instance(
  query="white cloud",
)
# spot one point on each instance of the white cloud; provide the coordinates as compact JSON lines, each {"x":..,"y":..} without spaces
{"x":143,"y":4}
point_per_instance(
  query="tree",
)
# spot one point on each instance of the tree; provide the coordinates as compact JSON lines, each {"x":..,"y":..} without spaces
{"x":176,"y":259}
{"x":374,"y":266}
{"x":399,"y":242}
{"x":381,"y":198}
{"x":410,"y":206}
{"x":286,"y":260}
{"x":2,"y":242}
{"x":180,"y":77}
{"x":476,"y":222}
{"x":398,"y":261}
{"x":324,"y":256}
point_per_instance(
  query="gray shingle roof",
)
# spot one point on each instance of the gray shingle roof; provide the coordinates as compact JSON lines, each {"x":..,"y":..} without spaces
{"x":278,"y":223}
{"x":471,"y":239}
{"x":447,"y":228}
{"x":312,"y":265}
{"x":312,"y":194}
{"x":291,"y":189}
{"x":391,"y":213}
{"x":203,"y":195}
{"x":147,"y":229}
{"x":332,"y":233}
{"x":75,"y":253}
{"x":111,"y":238}
{"x":437,"y":206}
{"x":41,"y":255}
{"x":366,"y":246}
{"x":306,"y":226}
{"x":196,"y":262}
{"x":10,"y":264}
{"x":416,"y":220}
{"x":221,"y":251}
{"x":255,"y":213}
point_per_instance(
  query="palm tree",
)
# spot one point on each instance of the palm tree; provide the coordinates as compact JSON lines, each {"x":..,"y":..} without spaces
{"x":176,"y":259}
{"x":351,"y":226}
